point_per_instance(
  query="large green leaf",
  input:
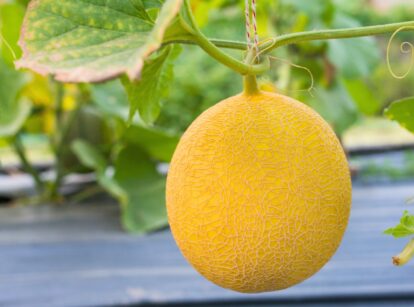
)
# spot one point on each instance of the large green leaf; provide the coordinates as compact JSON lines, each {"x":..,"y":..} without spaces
{"x":13,"y":111}
{"x":156,"y":143}
{"x":92,"y":40}
{"x":145,"y":95}
{"x":89,"y":156}
{"x":137,"y":175}
{"x":363,"y":96}
{"x":11,"y":18}
{"x":112,"y":101}
{"x":356,"y":57}
{"x":152,"y":3}
{"x":402,"y":111}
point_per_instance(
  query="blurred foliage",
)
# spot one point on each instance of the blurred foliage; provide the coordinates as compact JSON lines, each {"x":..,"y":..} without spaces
{"x":404,"y":228}
{"x":400,"y":167}
{"x":402,"y":111}
{"x":350,"y":74}
{"x":14,"y":109}
{"x":95,"y":128}
{"x":342,"y":69}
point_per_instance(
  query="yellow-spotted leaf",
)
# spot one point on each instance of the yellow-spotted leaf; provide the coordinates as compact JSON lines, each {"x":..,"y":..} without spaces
{"x":93,"y":40}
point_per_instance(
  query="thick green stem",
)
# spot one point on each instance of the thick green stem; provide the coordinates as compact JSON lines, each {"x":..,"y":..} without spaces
{"x":405,"y":255}
{"x":299,"y":37}
{"x":250,"y":81}
{"x":229,"y":44}
{"x":229,"y":61}
{"x":250,"y":85}
{"x":295,"y":38}
{"x":219,"y":43}
{"x":219,"y":55}
{"x":27,"y":166}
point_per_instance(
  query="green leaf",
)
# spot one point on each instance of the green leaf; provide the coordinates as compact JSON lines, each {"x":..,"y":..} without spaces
{"x":363,"y":96}
{"x":319,"y":13}
{"x":113,"y":188}
{"x":149,"y":4}
{"x":92,"y":40}
{"x":111,"y":99}
{"x":137,"y":175}
{"x":141,"y":9}
{"x":11,"y":18}
{"x":89,"y":156}
{"x":336,"y":106}
{"x":202,"y":10}
{"x":145,"y":95}
{"x":404,"y":228}
{"x":13,"y":117}
{"x":13,"y":111}
{"x":156,"y":143}
{"x":314,"y":9}
{"x":402,"y":111}
{"x":136,"y":184}
{"x":356,"y":57}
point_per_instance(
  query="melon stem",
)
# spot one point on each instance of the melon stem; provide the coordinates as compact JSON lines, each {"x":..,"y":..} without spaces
{"x":250,"y":85}
{"x":405,"y":255}
{"x":249,"y":80}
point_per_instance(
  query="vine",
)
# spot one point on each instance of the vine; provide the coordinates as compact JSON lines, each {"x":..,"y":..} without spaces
{"x":405,"y":48}
{"x":216,"y":53}
{"x":211,"y":46}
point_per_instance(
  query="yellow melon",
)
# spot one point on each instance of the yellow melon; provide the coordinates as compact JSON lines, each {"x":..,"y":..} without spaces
{"x":258,"y":193}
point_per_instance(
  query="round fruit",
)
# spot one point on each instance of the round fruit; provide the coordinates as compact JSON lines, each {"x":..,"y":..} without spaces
{"x":258,"y":193}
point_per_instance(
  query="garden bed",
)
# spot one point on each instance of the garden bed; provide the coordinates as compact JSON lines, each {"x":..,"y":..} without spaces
{"x":79,"y":256}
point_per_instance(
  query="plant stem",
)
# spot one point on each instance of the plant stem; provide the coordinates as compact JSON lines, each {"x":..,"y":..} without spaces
{"x":405,"y":255}
{"x":227,"y":60}
{"x":299,"y":37}
{"x":61,"y":146}
{"x":212,"y":46}
{"x":295,"y":38}
{"x":21,"y":152}
{"x":249,"y":81}
{"x":58,"y":140}
{"x":250,"y":85}
{"x":219,"y":55}
{"x":219,"y":43}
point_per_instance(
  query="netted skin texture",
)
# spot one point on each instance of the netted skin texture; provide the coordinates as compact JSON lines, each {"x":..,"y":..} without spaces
{"x":258,"y":193}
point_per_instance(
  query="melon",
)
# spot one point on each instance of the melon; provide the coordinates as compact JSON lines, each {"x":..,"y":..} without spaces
{"x":258,"y":193}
